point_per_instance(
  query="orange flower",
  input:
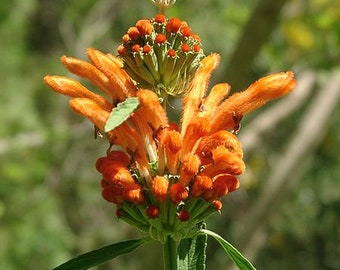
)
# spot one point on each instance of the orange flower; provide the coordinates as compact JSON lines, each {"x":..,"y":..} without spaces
{"x":160,"y":186}
{"x":155,"y":171}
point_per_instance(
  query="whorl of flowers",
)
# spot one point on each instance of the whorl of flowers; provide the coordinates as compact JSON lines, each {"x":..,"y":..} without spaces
{"x":161,"y":54}
{"x":165,"y":178}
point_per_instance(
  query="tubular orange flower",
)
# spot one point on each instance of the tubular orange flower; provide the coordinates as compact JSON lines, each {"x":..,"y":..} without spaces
{"x":178,"y":193}
{"x":201,"y":184}
{"x":160,"y":186}
{"x":155,"y":171}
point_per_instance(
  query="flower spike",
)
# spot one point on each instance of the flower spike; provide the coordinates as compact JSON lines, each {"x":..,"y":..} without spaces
{"x":161,"y":174}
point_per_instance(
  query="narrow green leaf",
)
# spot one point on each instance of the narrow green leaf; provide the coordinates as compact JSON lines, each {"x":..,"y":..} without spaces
{"x":121,"y":113}
{"x":191,"y":253}
{"x":101,"y":255}
{"x":234,"y":254}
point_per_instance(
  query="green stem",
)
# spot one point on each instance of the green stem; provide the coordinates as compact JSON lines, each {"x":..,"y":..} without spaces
{"x":170,"y":254}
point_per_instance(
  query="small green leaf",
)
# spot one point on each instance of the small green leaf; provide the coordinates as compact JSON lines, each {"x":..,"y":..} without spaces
{"x":100,"y":256}
{"x":191,"y":253}
{"x":120,"y":113}
{"x":234,"y":254}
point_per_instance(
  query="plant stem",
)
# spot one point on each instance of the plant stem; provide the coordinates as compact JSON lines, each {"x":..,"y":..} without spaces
{"x":170,"y":254}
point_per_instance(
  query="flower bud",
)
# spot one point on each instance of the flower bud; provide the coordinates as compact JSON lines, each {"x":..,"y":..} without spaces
{"x":161,"y":54}
{"x":163,"y":3}
{"x":152,"y":211}
{"x":183,"y":215}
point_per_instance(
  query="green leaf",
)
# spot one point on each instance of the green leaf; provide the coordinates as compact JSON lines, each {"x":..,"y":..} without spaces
{"x":191,"y":253}
{"x":233,"y":253}
{"x":120,"y":113}
{"x":100,"y":256}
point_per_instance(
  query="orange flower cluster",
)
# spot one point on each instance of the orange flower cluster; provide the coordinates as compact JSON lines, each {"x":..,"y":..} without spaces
{"x":161,"y":174}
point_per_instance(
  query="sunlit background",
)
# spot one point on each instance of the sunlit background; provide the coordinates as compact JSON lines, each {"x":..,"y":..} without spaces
{"x":286,"y":215}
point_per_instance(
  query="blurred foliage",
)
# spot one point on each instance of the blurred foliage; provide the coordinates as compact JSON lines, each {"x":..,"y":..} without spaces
{"x":50,"y":203}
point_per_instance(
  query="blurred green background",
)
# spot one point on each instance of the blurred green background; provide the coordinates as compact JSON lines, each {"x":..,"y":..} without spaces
{"x":286,"y":215}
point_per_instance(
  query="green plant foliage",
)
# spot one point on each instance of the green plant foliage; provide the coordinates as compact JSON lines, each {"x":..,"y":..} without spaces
{"x":50,"y":203}
{"x":101,"y":255}
{"x":192,"y":253}
{"x":234,"y":254}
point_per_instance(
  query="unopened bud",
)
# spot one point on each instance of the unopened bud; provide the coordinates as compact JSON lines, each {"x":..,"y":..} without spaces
{"x":161,"y":54}
{"x":163,"y":3}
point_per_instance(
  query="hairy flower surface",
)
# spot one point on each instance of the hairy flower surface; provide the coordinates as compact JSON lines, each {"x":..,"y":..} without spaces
{"x":165,"y":177}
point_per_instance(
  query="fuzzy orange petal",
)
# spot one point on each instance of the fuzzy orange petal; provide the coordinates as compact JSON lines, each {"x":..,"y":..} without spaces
{"x":73,"y":88}
{"x":134,"y":193}
{"x":197,"y":90}
{"x":119,"y":79}
{"x":255,"y":96}
{"x":196,"y":129}
{"x":91,"y":110}
{"x":224,"y":161}
{"x":190,"y":167}
{"x":178,"y":193}
{"x":160,"y":187}
{"x":90,"y":72}
{"x":151,"y":109}
{"x":224,"y":138}
{"x":172,"y":148}
{"x":214,"y":99}
{"x":201,"y":184}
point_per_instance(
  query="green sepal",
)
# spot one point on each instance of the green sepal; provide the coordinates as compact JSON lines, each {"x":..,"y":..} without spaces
{"x":234,"y":254}
{"x":102,"y":255}
{"x":120,"y":113}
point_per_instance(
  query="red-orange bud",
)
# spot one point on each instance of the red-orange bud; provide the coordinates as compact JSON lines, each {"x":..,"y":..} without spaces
{"x":185,"y":31}
{"x":160,"y":39}
{"x":135,"y":48}
{"x":160,"y":18}
{"x":183,"y":215}
{"x":125,"y":38}
{"x":172,"y":53}
{"x":147,"y":49}
{"x":144,"y":27}
{"x":133,"y":33}
{"x":152,"y":211}
{"x":173,"y":25}
{"x":217,"y":205}
{"x":121,"y":50}
{"x":185,"y":48}
{"x":196,"y":48}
